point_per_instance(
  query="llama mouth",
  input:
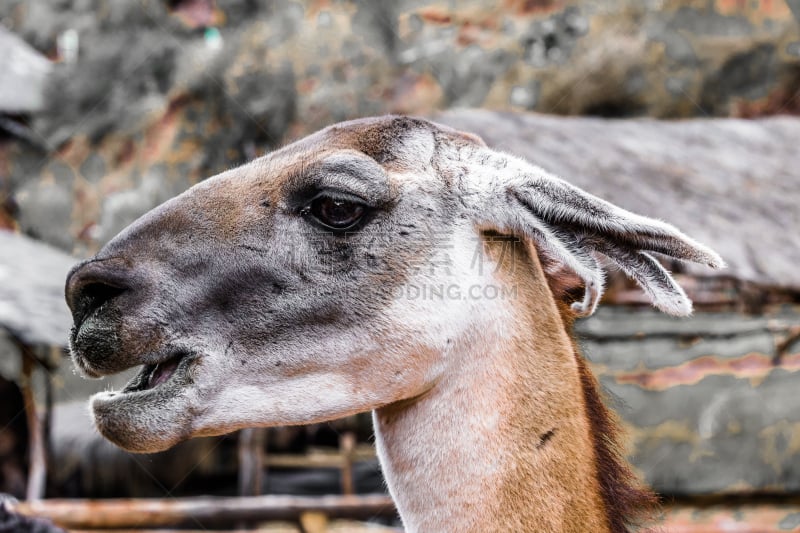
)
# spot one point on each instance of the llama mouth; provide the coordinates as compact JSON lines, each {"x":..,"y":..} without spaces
{"x":152,"y":376}
{"x":155,"y":409}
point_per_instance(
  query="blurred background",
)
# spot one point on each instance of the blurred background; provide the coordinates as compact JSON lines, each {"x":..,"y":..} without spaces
{"x":681,"y":110}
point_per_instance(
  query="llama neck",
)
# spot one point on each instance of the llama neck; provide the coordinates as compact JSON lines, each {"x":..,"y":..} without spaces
{"x":502,"y":442}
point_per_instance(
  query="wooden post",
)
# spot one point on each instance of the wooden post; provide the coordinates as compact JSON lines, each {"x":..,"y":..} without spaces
{"x":251,"y":460}
{"x":313,"y":522}
{"x":37,"y":464}
{"x":347,"y":445}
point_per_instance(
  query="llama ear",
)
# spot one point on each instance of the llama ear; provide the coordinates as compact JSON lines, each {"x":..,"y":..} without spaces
{"x":572,"y":229}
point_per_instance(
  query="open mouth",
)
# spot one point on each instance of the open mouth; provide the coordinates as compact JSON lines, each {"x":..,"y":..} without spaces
{"x":154,"y":410}
{"x":153,"y":375}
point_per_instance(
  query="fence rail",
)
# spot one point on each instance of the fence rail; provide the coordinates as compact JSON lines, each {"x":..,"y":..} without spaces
{"x":152,"y":513}
{"x":148,"y":514}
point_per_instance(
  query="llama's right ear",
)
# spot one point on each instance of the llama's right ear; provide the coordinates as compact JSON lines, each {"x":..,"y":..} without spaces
{"x":572,"y":228}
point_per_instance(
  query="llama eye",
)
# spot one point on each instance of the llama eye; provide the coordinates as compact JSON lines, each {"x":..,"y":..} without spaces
{"x":337,"y":213}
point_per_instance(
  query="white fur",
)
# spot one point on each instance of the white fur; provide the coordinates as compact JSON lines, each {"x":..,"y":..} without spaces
{"x":447,"y":436}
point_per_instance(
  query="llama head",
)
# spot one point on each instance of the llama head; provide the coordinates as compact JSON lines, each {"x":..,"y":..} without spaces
{"x":331,"y":277}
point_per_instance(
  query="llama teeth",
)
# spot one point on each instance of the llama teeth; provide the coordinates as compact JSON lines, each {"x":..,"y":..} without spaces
{"x":152,"y":379}
{"x":163,"y":371}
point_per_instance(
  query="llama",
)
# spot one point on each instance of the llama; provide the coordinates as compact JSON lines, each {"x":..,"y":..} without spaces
{"x":390,"y":265}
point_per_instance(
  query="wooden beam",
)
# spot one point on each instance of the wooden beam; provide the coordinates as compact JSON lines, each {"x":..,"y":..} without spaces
{"x":321,"y":459}
{"x":37,"y":465}
{"x":152,"y":513}
{"x":347,"y":446}
{"x":251,"y":460}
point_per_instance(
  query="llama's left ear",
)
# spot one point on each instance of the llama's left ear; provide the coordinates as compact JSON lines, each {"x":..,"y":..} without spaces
{"x":572,"y":228}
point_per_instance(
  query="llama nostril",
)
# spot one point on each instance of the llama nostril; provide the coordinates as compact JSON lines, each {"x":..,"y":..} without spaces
{"x":91,"y":297}
{"x":90,"y":287}
{"x":94,"y":295}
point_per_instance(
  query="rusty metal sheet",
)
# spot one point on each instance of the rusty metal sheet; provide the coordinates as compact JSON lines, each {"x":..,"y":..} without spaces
{"x":710,"y":403}
{"x":731,"y":518}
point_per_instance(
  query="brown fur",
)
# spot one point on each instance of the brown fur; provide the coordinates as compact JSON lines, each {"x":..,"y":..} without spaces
{"x":548,"y":423}
{"x":627,"y":502}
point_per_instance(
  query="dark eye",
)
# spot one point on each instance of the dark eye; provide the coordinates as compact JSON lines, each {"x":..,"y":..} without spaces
{"x":337,"y":213}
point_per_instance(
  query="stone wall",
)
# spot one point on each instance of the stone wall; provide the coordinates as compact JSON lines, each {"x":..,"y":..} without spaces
{"x":708,"y":403}
{"x":155,"y":99}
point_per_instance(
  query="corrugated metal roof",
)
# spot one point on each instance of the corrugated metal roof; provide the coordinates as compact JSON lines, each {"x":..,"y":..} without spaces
{"x":732,"y":184}
{"x":32,"y":305}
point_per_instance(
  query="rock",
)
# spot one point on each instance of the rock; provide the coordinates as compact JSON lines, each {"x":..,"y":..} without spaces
{"x":151,"y":88}
{"x":45,"y":207}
